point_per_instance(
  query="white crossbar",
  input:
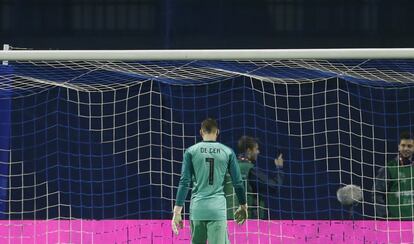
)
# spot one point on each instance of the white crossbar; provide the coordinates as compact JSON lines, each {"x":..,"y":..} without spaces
{"x":205,"y":54}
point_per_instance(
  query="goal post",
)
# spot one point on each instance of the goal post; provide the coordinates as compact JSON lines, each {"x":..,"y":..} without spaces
{"x":208,"y":54}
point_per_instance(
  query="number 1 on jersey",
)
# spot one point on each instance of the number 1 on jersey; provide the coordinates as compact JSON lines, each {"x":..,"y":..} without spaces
{"x":210,"y":161}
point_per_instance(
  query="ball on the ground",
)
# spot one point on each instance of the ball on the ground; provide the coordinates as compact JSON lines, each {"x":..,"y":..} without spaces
{"x":349,"y":194}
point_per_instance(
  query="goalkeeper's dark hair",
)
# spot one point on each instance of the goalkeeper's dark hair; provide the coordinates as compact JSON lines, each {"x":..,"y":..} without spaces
{"x":246,"y":142}
{"x":406,"y":135}
{"x":209,"y":125}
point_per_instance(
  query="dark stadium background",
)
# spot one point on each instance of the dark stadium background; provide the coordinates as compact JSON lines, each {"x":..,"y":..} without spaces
{"x":156,"y":24}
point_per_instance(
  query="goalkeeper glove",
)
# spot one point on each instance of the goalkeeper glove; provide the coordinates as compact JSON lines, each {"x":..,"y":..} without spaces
{"x":241,"y":215}
{"x":177,"y":223}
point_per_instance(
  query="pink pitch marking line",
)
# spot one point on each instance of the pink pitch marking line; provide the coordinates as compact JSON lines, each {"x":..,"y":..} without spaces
{"x":159,"y":231}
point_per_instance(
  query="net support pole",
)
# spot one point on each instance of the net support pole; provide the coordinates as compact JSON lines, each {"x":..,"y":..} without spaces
{"x":5,"y":155}
{"x":6,"y":47}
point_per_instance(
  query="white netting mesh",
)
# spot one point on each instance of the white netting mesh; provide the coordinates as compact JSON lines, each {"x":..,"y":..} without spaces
{"x":107,"y":138}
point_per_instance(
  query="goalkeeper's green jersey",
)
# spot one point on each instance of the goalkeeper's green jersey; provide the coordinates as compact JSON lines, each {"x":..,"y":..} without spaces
{"x":205,"y":165}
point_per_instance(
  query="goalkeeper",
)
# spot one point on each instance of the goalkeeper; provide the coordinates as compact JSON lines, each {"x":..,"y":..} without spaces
{"x":257,"y":181}
{"x":205,"y":164}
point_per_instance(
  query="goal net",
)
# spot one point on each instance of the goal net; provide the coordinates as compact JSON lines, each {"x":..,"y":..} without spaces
{"x":91,"y":151}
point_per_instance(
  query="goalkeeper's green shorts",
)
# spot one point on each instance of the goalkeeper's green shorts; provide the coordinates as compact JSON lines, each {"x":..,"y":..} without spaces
{"x":215,"y":231}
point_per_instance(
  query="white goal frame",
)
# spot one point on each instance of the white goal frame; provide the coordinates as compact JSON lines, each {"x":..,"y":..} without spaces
{"x":206,"y":54}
